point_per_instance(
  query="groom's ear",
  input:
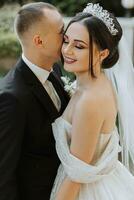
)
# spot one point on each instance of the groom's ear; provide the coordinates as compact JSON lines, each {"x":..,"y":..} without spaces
{"x":37,"y":41}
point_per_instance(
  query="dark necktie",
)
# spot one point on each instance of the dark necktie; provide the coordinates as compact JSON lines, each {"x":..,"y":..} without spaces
{"x":55,"y":83}
{"x":59,"y":89}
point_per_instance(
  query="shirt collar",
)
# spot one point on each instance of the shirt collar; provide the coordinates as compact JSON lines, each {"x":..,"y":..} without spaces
{"x":40,"y":73}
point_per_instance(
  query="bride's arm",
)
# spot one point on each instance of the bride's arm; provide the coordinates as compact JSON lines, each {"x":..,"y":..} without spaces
{"x":86,"y":124}
{"x":68,"y":190}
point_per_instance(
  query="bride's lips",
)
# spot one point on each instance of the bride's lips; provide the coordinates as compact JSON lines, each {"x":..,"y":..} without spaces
{"x":69,"y":60}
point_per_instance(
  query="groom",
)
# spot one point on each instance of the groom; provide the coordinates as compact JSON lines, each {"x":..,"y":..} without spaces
{"x":31,"y":98}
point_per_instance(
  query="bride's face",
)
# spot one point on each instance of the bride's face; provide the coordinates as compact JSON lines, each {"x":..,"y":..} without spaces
{"x":75,"y":49}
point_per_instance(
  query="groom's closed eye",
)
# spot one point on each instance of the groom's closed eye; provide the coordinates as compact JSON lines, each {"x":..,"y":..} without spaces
{"x":62,"y":30}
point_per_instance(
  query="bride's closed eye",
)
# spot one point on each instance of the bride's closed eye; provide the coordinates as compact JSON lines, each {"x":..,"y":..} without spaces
{"x":78,"y":46}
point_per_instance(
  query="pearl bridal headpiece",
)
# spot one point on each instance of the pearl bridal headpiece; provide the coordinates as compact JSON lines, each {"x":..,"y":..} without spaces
{"x":97,"y":11}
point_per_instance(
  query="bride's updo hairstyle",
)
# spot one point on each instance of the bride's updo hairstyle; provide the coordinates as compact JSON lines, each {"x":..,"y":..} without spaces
{"x":101,"y":36}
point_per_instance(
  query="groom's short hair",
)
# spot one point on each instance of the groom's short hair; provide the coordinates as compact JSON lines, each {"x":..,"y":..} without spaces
{"x":29,"y":15}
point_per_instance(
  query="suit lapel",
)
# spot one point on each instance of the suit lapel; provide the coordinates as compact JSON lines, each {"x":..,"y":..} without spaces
{"x":43,"y":97}
{"x":37,"y":89}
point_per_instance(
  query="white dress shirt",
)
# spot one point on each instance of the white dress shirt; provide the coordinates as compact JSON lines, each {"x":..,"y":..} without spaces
{"x":42,"y":75}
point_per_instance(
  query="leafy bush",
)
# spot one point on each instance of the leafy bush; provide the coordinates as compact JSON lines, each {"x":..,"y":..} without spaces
{"x":6,"y":23}
{"x":21,"y":2}
{"x":71,"y":7}
{"x":9,"y":46}
{"x":7,"y":14}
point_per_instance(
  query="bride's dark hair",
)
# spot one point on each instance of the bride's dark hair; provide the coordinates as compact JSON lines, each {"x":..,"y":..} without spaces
{"x":99,"y":33}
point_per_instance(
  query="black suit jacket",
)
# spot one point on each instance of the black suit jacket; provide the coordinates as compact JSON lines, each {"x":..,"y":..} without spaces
{"x":28,"y":159}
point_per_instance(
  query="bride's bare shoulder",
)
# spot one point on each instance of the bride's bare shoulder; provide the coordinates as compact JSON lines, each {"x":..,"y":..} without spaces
{"x":87,"y":113}
{"x":93,"y":103}
{"x":89,"y":100}
{"x":92,"y":96}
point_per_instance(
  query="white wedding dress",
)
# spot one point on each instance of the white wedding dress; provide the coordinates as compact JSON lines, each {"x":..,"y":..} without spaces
{"x":104,"y":179}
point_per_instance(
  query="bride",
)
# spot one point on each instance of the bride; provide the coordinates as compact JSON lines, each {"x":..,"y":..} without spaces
{"x":87,"y":140}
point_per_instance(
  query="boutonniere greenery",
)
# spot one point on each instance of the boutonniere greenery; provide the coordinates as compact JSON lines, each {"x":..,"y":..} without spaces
{"x":69,"y":86}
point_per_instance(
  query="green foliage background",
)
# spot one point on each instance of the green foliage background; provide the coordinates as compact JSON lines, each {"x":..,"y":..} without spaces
{"x":71,"y":7}
{"x":9,"y":45}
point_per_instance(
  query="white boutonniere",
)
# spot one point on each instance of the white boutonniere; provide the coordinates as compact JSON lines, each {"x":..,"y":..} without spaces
{"x":69,"y":86}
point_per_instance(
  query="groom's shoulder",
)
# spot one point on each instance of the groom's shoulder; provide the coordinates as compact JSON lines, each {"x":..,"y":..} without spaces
{"x":13,"y":83}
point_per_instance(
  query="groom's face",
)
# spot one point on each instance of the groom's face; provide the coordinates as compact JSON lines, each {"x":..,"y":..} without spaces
{"x":52,"y":39}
